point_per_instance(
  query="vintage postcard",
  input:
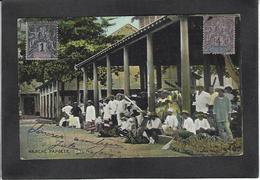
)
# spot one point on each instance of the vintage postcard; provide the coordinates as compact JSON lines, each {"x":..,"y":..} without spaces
{"x":130,"y":86}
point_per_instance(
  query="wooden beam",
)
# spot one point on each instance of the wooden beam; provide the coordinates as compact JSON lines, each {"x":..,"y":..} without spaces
{"x":150,"y":74}
{"x":126,"y":72}
{"x":85,"y":87}
{"x":95,"y":87}
{"x":109,"y":77}
{"x":220,"y":69}
{"x":49,"y":103}
{"x":207,"y":74}
{"x":58,"y":105}
{"x":53,"y":101}
{"x":159,"y":76}
{"x":78,"y":89}
{"x":185,"y":64}
{"x":143,"y":74}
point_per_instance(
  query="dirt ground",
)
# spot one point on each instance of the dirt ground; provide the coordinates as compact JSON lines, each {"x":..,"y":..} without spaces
{"x":48,"y":141}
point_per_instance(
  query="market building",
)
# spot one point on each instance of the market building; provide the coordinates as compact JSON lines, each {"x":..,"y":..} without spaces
{"x":167,"y":41}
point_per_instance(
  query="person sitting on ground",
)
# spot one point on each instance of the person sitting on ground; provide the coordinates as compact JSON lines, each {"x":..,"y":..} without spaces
{"x":170,"y":124}
{"x":201,"y":123}
{"x":77,"y":113}
{"x":66,"y":113}
{"x":90,"y":117}
{"x":188,"y":124}
{"x":125,"y":126}
{"x":98,"y":123}
{"x":135,"y":134}
{"x":153,"y":127}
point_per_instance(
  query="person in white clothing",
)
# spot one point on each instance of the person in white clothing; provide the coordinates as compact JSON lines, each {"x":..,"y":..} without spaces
{"x":113,"y":110}
{"x":171,"y":123}
{"x":90,"y":116}
{"x":188,"y":123}
{"x":202,"y":99}
{"x":66,"y":113}
{"x":201,"y":122}
{"x":153,"y":127}
{"x":121,"y":107}
{"x":67,"y":109}
{"x":106,"y":110}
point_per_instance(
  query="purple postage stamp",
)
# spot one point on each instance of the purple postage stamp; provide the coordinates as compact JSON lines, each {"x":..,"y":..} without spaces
{"x":218,"y":35}
{"x":42,"y":40}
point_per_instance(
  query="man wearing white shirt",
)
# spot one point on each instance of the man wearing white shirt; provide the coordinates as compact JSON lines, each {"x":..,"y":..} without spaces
{"x":202,"y":99}
{"x":188,"y":123}
{"x":153,"y":127}
{"x":90,"y":116}
{"x":171,"y":123}
{"x":113,"y":110}
{"x":201,"y":122}
{"x":106,"y":110}
{"x":121,"y":106}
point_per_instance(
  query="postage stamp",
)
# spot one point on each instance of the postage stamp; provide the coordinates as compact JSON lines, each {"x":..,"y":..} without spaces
{"x":42,"y":41}
{"x":218,"y":35}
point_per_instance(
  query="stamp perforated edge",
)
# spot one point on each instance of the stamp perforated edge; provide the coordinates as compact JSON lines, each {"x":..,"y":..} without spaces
{"x":57,"y":39}
{"x":234,"y":35}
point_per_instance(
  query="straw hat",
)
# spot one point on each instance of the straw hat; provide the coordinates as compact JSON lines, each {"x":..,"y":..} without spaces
{"x":170,"y":110}
{"x":185,"y":112}
{"x":151,"y":114}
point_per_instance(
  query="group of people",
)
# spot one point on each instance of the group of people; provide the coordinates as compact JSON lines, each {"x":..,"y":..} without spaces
{"x":120,"y":116}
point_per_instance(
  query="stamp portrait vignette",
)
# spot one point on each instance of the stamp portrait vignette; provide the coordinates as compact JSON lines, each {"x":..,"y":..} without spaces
{"x":116,"y":83}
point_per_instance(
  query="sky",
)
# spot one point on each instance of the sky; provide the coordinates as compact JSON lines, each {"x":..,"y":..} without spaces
{"x":120,"y":21}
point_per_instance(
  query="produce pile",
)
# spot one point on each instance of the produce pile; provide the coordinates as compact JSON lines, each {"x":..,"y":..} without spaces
{"x":207,"y":145}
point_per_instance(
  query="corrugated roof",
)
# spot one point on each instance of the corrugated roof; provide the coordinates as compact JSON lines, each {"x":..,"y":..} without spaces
{"x":150,"y":27}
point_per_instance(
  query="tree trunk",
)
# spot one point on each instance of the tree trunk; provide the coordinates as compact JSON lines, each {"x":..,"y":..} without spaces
{"x":231,"y":69}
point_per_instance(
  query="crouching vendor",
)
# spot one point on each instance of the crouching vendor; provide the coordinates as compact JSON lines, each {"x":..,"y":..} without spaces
{"x":202,"y":125}
{"x":170,"y":124}
{"x":153,"y":127}
{"x":66,"y":113}
{"x":135,"y":134}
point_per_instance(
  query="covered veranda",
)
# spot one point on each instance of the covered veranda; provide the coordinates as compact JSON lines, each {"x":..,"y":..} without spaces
{"x":170,"y":40}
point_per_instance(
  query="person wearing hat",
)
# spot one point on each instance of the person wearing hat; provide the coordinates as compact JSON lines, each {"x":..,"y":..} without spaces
{"x":171,"y":123}
{"x":201,"y":122}
{"x":153,"y":127}
{"x":90,"y":116}
{"x":222,"y":114}
{"x":188,"y":123}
